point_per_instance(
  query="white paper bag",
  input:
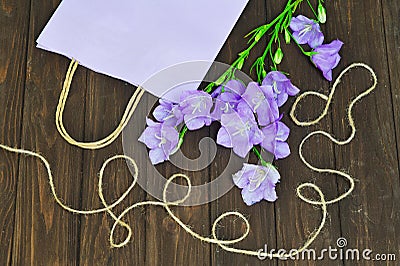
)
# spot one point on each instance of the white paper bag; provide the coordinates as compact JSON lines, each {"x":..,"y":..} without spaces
{"x":134,"y":39}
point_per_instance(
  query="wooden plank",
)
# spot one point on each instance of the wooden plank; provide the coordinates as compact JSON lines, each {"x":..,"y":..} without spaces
{"x":44,"y":233}
{"x":166,"y":242}
{"x":14,"y":22}
{"x":370,"y":218}
{"x":106,"y":101}
{"x":296,"y":220}
{"x":391,"y":10}
{"x":261,"y":215}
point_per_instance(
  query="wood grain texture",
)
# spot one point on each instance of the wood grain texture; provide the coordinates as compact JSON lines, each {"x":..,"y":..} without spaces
{"x":304,"y":218}
{"x":12,"y":82}
{"x":44,"y":234}
{"x":372,"y":156}
{"x":260,"y":215}
{"x":166,"y":242}
{"x":105,"y":102}
{"x":34,"y":230}
{"x":391,"y":13}
{"x":295,"y":218}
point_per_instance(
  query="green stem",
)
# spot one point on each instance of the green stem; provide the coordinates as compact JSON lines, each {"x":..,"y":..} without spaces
{"x":300,"y":47}
{"x":259,"y":156}
{"x":312,"y":9}
{"x":290,"y":8}
{"x":181,"y":136}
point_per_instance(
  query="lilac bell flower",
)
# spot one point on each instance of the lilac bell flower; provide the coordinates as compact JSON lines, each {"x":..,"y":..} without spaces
{"x":195,"y":106}
{"x":227,"y":98}
{"x":239,"y":130}
{"x":327,"y":57}
{"x":281,"y":85}
{"x":306,"y":30}
{"x":232,"y":86}
{"x":257,"y":183}
{"x":276,"y":135}
{"x":168,"y":113}
{"x":261,"y":103}
{"x":161,"y":139}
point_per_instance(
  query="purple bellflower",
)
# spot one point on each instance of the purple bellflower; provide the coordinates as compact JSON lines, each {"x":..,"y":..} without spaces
{"x":161,"y":139}
{"x":281,"y":85}
{"x":227,"y":98}
{"x":257,"y":183}
{"x":196,"y":106}
{"x":307,"y":31}
{"x":327,"y":57}
{"x":239,"y":130}
{"x":168,"y":113}
{"x":233,"y":86}
{"x":276,"y":135}
{"x":262,"y":102}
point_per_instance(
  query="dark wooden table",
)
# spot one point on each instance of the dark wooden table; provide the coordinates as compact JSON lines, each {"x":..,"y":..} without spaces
{"x":34,"y":230}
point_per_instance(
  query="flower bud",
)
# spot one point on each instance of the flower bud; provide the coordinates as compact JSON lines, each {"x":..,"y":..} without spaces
{"x":278,"y":56}
{"x":264,"y":73}
{"x":259,"y":35}
{"x":287,"y":36}
{"x":240,"y":64}
{"x":321,"y":13}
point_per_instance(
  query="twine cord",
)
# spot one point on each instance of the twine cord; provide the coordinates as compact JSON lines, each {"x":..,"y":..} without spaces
{"x":130,"y":109}
{"x":350,"y":119}
{"x":224,"y":244}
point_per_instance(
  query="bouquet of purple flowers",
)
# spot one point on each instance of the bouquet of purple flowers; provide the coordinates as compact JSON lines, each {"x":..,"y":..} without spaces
{"x":249,"y":114}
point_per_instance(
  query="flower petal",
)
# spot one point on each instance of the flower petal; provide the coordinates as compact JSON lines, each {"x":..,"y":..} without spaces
{"x":269,"y":194}
{"x":235,"y":86}
{"x":273,"y":175}
{"x":283,"y":131}
{"x":157,"y":156}
{"x":328,"y":75}
{"x":316,"y":39}
{"x":297,"y":23}
{"x":151,"y":123}
{"x":291,"y":89}
{"x":170,"y":133}
{"x":194,"y":122}
{"x":149,"y":139}
{"x":281,"y":99}
{"x":160,"y":113}
{"x":330,"y":48}
{"x":223,"y":138}
{"x":241,"y":146}
{"x":301,"y":38}
{"x":282,"y":150}
{"x":239,"y":180}
{"x":251,"y":197}
{"x":269,"y":138}
{"x":257,"y":136}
